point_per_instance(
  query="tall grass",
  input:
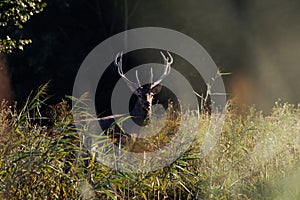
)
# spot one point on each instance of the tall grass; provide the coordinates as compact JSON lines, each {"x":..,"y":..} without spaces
{"x":256,"y":157}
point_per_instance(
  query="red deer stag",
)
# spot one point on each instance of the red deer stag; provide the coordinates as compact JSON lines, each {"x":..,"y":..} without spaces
{"x":141,"y":113}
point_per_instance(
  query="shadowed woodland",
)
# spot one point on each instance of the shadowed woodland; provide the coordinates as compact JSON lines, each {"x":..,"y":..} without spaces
{"x":255,"y":43}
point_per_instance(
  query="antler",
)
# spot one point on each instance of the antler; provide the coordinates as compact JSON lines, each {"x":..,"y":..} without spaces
{"x":167,"y":62}
{"x":133,"y":86}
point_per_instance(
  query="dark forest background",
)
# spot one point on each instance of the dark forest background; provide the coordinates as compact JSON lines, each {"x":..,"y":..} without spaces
{"x":258,"y":41}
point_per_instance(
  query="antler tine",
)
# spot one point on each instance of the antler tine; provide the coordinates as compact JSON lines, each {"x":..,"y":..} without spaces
{"x":133,"y":86}
{"x":171,"y":58}
{"x":119,"y":64}
{"x":137,"y":78}
{"x":120,"y":54}
{"x":166,"y":59}
{"x":167,"y":62}
{"x":151,"y":75}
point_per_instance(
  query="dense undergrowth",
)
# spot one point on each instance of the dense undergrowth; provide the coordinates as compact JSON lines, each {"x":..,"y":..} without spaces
{"x":256,"y":157}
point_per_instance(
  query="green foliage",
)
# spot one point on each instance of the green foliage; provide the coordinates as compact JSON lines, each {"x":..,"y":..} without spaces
{"x":256,"y":157}
{"x":64,"y":28}
{"x":14,"y":14}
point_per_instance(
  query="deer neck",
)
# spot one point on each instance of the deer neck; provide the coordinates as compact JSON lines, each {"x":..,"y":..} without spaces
{"x":140,"y":115}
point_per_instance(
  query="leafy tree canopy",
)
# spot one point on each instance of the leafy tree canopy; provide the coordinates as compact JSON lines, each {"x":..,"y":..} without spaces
{"x":13,"y":15}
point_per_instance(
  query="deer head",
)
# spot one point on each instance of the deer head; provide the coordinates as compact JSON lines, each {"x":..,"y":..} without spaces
{"x":145,"y":93}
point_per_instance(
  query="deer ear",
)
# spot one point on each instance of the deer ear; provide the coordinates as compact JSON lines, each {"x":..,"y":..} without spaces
{"x":156,"y":89}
